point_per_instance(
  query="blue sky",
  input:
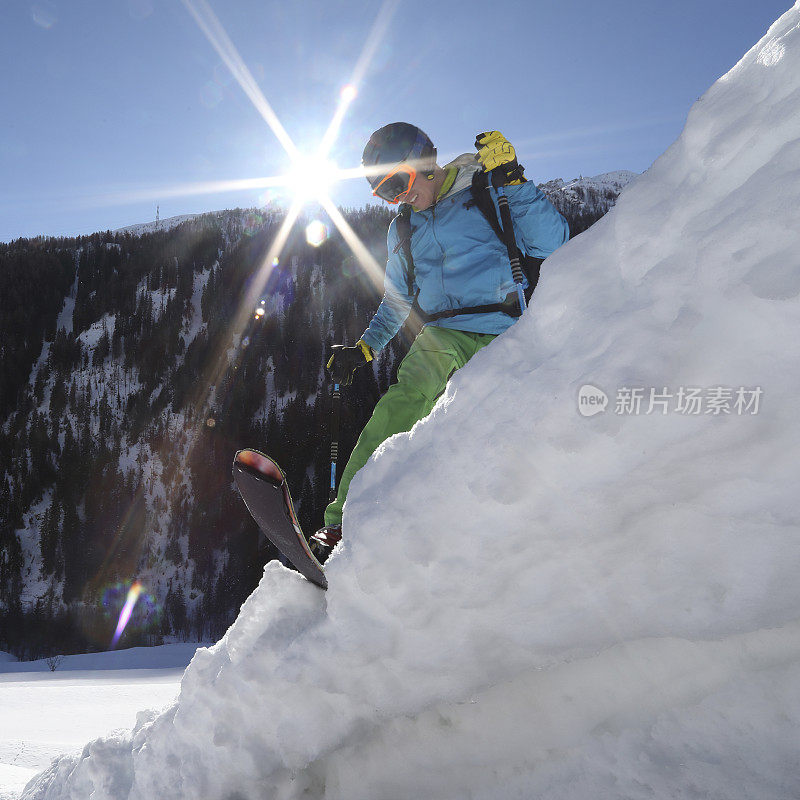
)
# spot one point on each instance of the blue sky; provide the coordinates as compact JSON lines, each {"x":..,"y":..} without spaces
{"x":107,"y":106}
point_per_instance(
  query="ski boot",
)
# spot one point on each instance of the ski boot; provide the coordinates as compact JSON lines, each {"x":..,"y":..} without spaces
{"x":324,"y":540}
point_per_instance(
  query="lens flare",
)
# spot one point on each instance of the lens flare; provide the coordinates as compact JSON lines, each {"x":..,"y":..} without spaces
{"x":253,"y":223}
{"x":127,"y":610}
{"x":220,"y":41}
{"x":316,"y":233}
{"x":348,"y":93}
{"x":367,"y":261}
{"x":44,"y":15}
{"x":218,"y":361}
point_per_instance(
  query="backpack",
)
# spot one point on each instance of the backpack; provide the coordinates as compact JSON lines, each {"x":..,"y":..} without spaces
{"x":481,"y":198}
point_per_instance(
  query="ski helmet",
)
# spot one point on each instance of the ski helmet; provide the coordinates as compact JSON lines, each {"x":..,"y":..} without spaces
{"x":391,"y":157}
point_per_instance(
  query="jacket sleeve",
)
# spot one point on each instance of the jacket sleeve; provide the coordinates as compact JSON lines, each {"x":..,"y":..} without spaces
{"x":538,"y":227}
{"x":396,"y":304}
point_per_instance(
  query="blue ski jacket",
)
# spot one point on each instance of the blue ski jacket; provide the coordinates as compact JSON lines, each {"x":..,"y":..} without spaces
{"x":460,"y":261}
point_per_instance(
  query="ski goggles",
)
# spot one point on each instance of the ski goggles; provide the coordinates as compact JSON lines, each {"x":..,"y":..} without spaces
{"x":395,"y":185}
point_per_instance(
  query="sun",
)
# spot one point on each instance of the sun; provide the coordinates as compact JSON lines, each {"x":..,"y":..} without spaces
{"x":311,"y":178}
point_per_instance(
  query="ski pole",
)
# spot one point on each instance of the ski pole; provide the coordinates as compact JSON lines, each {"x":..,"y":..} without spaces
{"x":335,"y":407}
{"x":510,"y":239}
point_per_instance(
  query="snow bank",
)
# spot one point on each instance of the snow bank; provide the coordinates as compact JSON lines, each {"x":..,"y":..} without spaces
{"x":535,"y":603}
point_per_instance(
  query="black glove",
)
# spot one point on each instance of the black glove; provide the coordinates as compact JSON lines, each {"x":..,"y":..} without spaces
{"x":346,"y":360}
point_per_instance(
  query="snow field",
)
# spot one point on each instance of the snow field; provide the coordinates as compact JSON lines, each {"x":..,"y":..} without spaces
{"x":46,"y":714}
{"x":533,"y":603}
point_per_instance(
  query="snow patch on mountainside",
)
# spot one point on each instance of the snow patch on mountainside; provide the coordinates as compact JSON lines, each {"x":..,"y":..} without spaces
{"x":530,"y":602}
{"x":608,"y":185}
{"x":588,"y":197}
{"x":238,"y":217}
{"x":162,"y":225}
{"x":614,"y":181}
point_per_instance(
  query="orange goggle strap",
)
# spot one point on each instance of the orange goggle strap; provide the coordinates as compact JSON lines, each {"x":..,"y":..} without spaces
{"x":402,"y":167}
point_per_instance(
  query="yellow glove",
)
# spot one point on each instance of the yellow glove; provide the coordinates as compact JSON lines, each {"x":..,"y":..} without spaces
{"x":496,"y":152}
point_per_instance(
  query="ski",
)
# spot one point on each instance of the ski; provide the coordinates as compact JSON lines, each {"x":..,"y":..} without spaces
{"x":265,"y":491}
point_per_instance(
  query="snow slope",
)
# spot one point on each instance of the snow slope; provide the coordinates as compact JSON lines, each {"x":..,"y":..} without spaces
{"x":48,"y":713}
{"x":531,"y":602}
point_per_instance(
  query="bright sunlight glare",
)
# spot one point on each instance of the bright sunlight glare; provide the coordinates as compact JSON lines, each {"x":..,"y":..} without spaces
{"x":309,"y":177}
{"x":312,"y":178}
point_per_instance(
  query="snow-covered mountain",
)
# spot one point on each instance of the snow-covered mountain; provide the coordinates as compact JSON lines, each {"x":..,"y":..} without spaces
{"x":584,"y":200}
{"x":588,"y":198}
{"x":606,"y":182}
{"x":161,"y":225}
{"x":578,"y":576}
{"x":128,"y":382}
{"x":104,"y":415}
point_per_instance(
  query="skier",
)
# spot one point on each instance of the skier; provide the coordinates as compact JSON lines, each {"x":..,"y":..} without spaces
{"x":447,"y":265}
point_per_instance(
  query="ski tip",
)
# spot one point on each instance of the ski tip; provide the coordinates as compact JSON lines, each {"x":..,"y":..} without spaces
{"x":321,"y":582}
{"x":260,"y":463}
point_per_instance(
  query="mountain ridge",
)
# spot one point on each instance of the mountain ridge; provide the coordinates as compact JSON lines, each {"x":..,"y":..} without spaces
{"x":120,"y":399}
{"x":610,"y":183}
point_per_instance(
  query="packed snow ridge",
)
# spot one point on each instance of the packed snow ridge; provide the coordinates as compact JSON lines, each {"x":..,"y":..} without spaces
{"x":534,"y":602}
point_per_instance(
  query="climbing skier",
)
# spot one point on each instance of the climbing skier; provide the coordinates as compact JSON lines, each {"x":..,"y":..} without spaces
{"x":447,"y":264}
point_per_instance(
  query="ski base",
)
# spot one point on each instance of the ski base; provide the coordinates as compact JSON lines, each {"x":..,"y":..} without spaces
{"x":263,"y":487}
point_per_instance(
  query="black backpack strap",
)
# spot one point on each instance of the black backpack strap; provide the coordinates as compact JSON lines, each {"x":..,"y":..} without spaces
{"x":508,"y":306}
{"x":482,"y":198}
{"x":403,"y":226}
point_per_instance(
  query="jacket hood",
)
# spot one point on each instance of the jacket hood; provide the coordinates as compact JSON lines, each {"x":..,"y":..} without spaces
{"x":467,"y":165}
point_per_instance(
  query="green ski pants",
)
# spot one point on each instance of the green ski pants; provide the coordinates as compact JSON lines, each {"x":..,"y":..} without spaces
{"x":423,"y":374}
